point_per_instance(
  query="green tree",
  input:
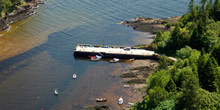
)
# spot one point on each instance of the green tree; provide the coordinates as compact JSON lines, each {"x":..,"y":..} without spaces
{"x":195,"y":39}
{"x":217,"y":80}
{"x":158,"y":37}
{"x":216,"y":53}
{"x":171,"y":86}
{"x":156,"y":95}
{"x":189,"y":90}
{"x":207,"y":81}
{"x":205,"y":100}
{"x":216,"y":10}
{"x":164,"y":62}
{"x":184,"y":53}
{"x":191,"y":6}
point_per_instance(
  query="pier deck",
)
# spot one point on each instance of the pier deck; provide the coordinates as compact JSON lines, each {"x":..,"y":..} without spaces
{"x":112,"y":52}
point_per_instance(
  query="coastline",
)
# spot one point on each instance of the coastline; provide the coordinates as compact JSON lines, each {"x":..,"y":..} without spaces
{"x":140,"y":70}
{"x":135,"y":74}
{"x":22,"y":12}
{"x":151,"y":25}
{"x":6,"y":49}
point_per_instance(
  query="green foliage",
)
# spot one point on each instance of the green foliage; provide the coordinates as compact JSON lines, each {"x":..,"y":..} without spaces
{"x":166,"y":105}
{"x":207,"y":72}
{"x":191,"y":6}
{"x":171,"y":86}
{"x":189,"y":88}
{"x":184,"y":53}
{"x":164,"y":62}
{"x":156,"y":95}
{"x":158,"y":37}
{"x":216,"y":53}
{"x":194,"y":80}
{"x":217,"y":80}
{"x":7,"y":6}
{"x":159,"y":79}
{"x":211,"y":37}
{"x":205,"y":100}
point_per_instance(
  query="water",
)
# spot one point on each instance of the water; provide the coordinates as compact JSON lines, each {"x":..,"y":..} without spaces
{"x":44,"y":45}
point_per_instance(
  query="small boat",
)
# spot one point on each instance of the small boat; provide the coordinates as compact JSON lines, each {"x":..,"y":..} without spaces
{"x":101,"y":99}
{"x":126,"y":86}
{"x":120,"y":101}
{"x":131,"y":59}
{"x":130,"y":103}
{"x":114,"y":60}
{"x":74,"y":76}
{"x":56,"y":92}
{"x":95,"y":58}
{"x":91,"y":56}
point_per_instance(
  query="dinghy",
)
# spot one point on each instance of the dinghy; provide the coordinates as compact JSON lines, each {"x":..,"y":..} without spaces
{"x":74,"y":76}
{"x":114,"y":60}
{"x":120,"y":101}
{"x":56,"y":92}
{"x":101,"y":99}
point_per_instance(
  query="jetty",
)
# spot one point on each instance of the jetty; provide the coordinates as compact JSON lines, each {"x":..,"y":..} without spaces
{"x":107,"y":51}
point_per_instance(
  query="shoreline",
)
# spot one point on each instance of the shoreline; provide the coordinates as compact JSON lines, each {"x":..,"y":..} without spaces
{"x":138,"y":70}
{"x":136,"y":73}
{"x":150,"y":25}
{"x":22,"y":12}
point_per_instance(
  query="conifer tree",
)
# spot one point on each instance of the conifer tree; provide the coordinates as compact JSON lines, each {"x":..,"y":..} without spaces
{"x":191,"y":6}
{"x":171,"y":86}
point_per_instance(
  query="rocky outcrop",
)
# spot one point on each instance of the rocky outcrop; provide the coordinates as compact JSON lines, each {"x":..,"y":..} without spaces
{"x":3,"y":24}
{"x":21,"y":13}
{"x":151,"y":25}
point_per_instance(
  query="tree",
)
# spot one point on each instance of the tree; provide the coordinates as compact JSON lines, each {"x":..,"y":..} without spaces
{"x":211,"y":37}
{"x":164,"y":62}
{"x":156,"y":95}
{"x":216,"y":53}
{"x":217,"y":80}
{"x":189,"y":90}
{"x":205,"y":100}
{"x":171,"y":86}
{"x":158,"y":37}
{"x":216,"y":10}
{"x":203,"y":3}
{"x":195,"y":39}
{"x":207,"y":72}
{"x":176,"y":37}
{"x":184,"y":53}
{"x":191,"y":6}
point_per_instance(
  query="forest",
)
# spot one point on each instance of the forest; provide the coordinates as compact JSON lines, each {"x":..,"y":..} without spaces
{"x":8,"y":6}
{"x":192,"y":82}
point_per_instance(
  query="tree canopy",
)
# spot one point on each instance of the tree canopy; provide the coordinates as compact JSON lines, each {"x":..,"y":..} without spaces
{"x":193,"y":82}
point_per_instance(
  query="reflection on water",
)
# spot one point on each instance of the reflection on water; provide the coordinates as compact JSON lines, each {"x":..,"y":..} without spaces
{"x":27,"y":80}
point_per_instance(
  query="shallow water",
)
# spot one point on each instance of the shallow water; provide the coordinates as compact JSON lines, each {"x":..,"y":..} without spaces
{"x":45,"y":44}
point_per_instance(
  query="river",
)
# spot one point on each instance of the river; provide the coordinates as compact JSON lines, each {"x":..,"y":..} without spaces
{"x":41,"y":52}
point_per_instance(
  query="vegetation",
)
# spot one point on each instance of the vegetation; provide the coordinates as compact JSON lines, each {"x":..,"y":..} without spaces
{"x":8,"y":6}
{"x":193,"y":82}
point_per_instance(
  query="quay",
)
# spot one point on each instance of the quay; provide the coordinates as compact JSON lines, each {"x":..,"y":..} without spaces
{"x":85,"y":50}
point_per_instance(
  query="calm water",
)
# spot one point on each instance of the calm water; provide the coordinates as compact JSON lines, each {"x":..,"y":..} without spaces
{"x":48,"y":39}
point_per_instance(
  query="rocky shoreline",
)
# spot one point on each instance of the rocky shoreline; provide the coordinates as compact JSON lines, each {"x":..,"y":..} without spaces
{"x":151,"y":25}
{"x":21,"y":13}
{"x":135,"y":76}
